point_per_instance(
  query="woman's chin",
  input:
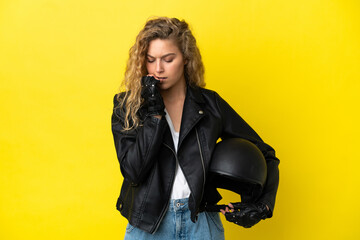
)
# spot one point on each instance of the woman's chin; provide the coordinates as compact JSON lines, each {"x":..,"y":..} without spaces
{"x":163,"y":86}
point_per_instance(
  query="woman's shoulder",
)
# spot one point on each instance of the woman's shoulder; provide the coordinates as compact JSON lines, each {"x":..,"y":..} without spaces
{"x":118,"y":97}
{"x":208,"y":93}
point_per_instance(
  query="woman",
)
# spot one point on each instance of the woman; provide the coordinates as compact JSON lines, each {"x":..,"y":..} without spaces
{"x":165,"y":128}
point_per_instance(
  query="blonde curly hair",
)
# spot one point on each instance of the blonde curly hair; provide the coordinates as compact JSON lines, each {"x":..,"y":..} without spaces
{"x":157,"y":28}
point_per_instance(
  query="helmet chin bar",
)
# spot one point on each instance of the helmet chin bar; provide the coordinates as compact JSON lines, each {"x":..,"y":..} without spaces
{"x":249,"y":192}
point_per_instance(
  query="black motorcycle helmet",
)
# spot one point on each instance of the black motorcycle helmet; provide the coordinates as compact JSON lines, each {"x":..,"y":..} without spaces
{"x":238,"y":165}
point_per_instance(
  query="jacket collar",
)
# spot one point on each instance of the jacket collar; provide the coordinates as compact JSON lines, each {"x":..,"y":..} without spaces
{"x":193,"y":111}
{"x":195,"y":94}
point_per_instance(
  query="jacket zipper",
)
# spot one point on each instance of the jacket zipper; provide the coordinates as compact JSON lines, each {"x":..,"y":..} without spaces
{"x":203,"y":167}
{"x":202,"y":161}
{"x":167,"y":203}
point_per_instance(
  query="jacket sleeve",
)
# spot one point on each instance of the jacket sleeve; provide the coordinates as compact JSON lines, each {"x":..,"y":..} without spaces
{"x":136,"y":148}
{"x":235,"y":126}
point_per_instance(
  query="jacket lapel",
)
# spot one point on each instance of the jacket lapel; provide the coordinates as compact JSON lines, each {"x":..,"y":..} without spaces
{"x":167,"y":138}
{"x":192,"y":111}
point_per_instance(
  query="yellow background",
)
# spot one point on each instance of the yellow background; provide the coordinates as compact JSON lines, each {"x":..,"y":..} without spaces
{"x":289,"y":68}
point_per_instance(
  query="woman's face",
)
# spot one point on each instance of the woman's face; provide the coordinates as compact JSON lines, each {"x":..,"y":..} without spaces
{"x":166,"y":63}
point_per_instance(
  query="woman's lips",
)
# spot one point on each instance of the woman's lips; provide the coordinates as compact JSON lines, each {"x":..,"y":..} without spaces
{"x":160,"y":78}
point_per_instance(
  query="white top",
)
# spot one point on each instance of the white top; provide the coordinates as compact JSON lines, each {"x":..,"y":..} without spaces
{"x":180,"y":187}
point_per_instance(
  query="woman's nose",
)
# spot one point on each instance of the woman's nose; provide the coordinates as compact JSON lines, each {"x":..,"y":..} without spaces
{"x":159,"y":67}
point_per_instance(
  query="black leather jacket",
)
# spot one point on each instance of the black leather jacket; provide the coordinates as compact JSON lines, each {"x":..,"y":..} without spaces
{"x":147,"y":157}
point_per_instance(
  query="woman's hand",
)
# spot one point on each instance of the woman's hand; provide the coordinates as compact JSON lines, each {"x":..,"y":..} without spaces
{"x":152,"y":97}
{"x":246,"y":214}
{"x":227,"y":209}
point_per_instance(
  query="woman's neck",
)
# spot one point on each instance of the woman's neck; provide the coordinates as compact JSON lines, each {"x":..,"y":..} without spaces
{"x":174,"y":99}
{"x":175,"y":93}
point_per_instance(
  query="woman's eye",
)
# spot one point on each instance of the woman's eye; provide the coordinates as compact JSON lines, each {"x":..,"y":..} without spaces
{"x":150,"y":60}
{"x":169,"y":60}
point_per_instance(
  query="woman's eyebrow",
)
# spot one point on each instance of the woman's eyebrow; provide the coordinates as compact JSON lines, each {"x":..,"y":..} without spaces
{"x":166,"y":55}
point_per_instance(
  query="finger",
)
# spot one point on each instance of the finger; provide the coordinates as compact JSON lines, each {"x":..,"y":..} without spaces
{"x":222,"y":211}
{"x":153,"y":75}
{"x":230,"y":210}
